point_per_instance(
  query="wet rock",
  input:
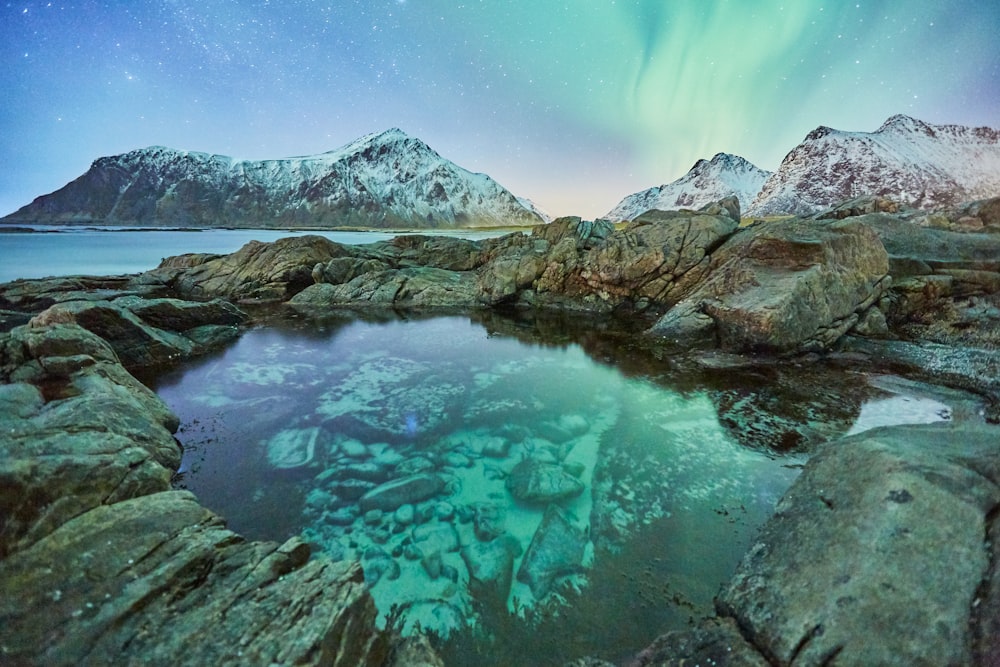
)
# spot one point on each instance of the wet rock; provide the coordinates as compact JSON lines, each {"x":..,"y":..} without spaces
{"x":535,"y":482}
{"x":876,"y":554}
{"x":491,"y":566}
{"x":404,"y":515}
{"x":713,"y":642}
{"x":78,"y":432}
{"x":439,"y":537}
{"x":406,"y":491}
{"x":294,"y":447}
{"x":159,"y":580}
{"x":276,"y":270}
{"x":556,"y":550}
{"x":781,"y":287}
{"x":351,"y":489}
{"x":378,"y":565}
{"x":488,"y":521}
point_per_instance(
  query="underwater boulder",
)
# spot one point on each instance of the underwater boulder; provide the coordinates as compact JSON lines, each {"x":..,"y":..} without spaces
{"x":491,"y":565}
{"x":406,"y":491}
{"x":533,"y":481}
{"x":556,"y":550}
{"x":293,"y":448}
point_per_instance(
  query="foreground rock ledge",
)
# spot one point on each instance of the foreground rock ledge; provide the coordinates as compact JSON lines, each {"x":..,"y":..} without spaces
{"x":882,"y":553}
{"x":100,"y":562}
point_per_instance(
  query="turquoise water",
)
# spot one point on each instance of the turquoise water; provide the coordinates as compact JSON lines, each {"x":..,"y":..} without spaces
{"x":76,"y":251}
{"x":532,"y":492}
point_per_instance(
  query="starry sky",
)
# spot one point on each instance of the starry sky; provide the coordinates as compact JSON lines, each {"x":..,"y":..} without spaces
{"x":572,"y":103}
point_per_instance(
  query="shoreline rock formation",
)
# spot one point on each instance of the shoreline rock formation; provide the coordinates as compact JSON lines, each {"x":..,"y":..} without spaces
{"x":863,"y":561}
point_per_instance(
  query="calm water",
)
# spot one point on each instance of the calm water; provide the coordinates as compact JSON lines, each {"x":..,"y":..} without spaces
{"x":534,"y":491}
{"x":115,"y":252}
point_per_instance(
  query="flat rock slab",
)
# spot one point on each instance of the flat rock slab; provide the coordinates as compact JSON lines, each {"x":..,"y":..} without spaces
{"x":876,"y":554}
{"x":159,"y":580}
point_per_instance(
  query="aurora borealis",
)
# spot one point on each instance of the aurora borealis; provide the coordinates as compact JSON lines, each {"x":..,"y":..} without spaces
{"x":572,"y":104}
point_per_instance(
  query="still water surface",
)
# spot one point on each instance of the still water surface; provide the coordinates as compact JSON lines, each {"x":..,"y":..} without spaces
{"x":409,"y":443}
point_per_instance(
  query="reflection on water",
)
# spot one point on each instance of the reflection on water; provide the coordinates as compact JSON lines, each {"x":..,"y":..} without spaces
{"x":489,"y":479}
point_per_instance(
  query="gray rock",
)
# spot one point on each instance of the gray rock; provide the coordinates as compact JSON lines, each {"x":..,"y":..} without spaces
{"x":542,"y":483}
{"x":781,"y":287}
{"x":876,"y":554}
{"x":436,"y":537}
{"x":406,"y":491}
{"x":491,"y":566}
{"x":158,"y":580}
{"x":556,"y":550}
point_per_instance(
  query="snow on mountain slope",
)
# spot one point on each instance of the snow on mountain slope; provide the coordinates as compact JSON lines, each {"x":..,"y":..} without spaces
{"x":706,"y":182}
{"x":387,"y":180}
{"x":907,"y":160}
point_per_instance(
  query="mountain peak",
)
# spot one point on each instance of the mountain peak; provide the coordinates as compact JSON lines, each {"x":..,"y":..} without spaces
{"x":706,"y":182}
{"x":902,"y":123}
{"x":906,"y":159}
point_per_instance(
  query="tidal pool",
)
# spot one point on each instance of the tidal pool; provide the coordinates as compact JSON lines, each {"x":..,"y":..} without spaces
{"x":530,"y":492}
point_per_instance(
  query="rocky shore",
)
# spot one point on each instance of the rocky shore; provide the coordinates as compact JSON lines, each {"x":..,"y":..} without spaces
{"x":883,"y":552}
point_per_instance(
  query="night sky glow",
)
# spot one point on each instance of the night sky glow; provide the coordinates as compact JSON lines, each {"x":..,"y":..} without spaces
{"x":573,"y":104}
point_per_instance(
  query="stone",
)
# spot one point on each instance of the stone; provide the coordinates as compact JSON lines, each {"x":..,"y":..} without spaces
{"x":491,"y":566}
{"x":159,"y":580}
{"x":277,"y":270}
{"x":294,"y":447}
{"x":782,"y":287}
{"x":876,"y":554}
{"x":405,"y":491}
{"x":535,"y":482}
{"x":488,"y":521}
{"x":712,"y":642}
{"x":557,"y":550}
{"x":404,"y":514}
{"x":436,"y":537}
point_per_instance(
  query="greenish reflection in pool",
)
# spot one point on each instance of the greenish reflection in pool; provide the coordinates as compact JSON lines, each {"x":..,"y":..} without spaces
{"x":498,"y":484}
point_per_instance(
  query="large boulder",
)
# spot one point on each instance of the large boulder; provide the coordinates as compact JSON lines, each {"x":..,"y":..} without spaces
{"x":159,"y":580}
{"x":782,"y":287}
{"x":145,"y":332}
{"x":878,"y":554}
{"x":277,"y":270}
{"x":76,"y":432}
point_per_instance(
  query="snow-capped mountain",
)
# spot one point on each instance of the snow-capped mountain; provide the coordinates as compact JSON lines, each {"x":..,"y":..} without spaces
{"x":536,"y":209}
{"x":912,"y":162}
{"x":387,"y":180}
{"x":707,"y":181}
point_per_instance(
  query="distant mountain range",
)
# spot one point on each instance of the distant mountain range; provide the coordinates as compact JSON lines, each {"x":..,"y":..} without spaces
{"x":394,"y":180}
{"x":386,"y":180}
{"x":708,"y":181}
{"x":912,"y":162}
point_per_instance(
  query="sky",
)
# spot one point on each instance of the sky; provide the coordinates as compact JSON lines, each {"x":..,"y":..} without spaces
{"x":572,"y":103}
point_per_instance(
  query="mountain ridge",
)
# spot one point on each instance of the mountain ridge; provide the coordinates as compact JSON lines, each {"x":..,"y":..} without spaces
{"x":388,"y":179}
{"x":706,"y":182}
{"x":915,"y":163}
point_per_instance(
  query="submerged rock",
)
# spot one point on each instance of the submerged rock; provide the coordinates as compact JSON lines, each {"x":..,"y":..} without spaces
{"x":392,"y":495}
{"x":491,"y":566}
{"x":294,"y":447}
{"x":556,"y":550}
{"x":532,"y":481}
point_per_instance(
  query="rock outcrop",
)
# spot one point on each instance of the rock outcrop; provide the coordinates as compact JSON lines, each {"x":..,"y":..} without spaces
{"x":782,"y":287}
{"x":790,"y":285}
{"x":99,"y":560}
{"x":882,"y":552}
